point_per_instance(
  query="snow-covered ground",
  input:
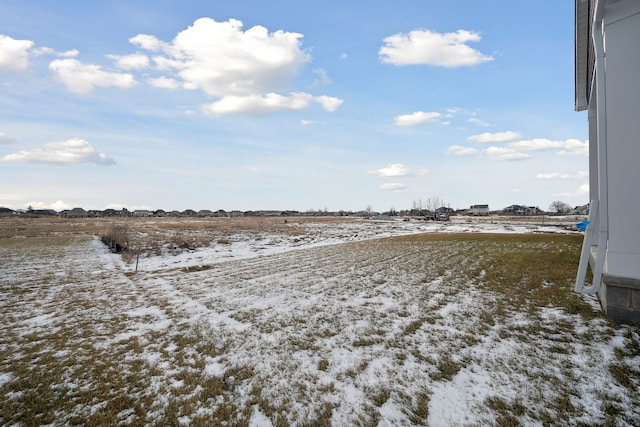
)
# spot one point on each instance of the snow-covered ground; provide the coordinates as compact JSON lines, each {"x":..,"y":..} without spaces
{"x":329,"y":326}
{"x":249,"y":244}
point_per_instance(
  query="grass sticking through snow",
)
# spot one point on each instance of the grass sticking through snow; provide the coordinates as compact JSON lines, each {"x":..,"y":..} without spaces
{"x":413,"y":312}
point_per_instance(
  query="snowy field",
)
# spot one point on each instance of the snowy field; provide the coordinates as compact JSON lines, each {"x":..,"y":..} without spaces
{"x":310,"y":323}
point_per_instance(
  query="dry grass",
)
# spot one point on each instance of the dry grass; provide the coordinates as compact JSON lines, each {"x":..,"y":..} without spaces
{"x":162,"y":229}
{"x":78,"y":353}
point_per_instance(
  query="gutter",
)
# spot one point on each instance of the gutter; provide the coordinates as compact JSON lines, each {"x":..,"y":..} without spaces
{"x":599,"y":208}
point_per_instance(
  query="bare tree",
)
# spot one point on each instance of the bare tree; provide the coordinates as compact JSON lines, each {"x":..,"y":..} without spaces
{"x":433,"y":203}
{"x":559,"y":207}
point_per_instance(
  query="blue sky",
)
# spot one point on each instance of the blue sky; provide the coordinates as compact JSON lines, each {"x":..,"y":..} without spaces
{"x":288,"y":105}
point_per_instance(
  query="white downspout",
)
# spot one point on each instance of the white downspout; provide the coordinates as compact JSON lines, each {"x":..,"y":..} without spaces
{"x":602,"y":216}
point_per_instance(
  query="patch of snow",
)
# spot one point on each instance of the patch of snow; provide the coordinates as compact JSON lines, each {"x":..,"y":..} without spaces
{"x":213,"y":368}
{"x":5,"y":377}
{"x":259,"y":419}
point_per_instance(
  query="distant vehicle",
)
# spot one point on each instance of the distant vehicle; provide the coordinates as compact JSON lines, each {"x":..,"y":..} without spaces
{"x":441,"y":216}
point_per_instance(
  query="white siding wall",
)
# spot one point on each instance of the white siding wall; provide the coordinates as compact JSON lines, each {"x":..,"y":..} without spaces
{"x":622,"y":53}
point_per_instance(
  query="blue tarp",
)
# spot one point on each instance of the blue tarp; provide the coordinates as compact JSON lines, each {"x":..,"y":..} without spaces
{"x":582,"y":225}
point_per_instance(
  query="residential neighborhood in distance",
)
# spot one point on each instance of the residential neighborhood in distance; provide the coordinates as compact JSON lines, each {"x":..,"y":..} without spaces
{"x":442,"y":213}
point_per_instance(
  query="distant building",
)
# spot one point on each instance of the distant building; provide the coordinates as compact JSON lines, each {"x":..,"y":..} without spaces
{"x":580,"y":210}
{"x":521,"y":210}
{"x":75,"y":213}
{"x":6,"y":212}
{"x":42,"y":212}
{"x":479,"y":210}
{"x":142,"y":213}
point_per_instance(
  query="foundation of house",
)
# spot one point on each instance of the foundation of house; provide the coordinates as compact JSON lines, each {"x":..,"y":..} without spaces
{"x":620,"y":298}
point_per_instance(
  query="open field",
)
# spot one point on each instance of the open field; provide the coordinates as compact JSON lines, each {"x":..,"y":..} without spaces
{"x":307,"y":322}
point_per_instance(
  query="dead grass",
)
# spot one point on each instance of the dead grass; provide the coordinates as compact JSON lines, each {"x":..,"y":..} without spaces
{"x":179,"y":230}
{"x":73,"y":371}
{"x":447,"y":369}
{"x":528,"y":270}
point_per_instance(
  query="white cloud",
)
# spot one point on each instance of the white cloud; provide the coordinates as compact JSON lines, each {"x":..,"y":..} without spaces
{"x":69,"y":53}
{"x":557,"y":175}
{"x":70,"y":151}
{"x":417,"y":118}
{"x":393,"y":186}
{"x":505,"y":153}
{"x":323,"y":77}
{"x":259,"y":104}
{"x":14,"y":54}
{"x":268,"y":103}
{"x":479,"y":122}
{"x":82,"y":78}
{"x":38,"y":51}
{"x":164,"y":83}
{"x":458,"y":150}
{"x":223,"y":60}
{"x":517,"y":150}
{"x":432,"y":48}
{"x":58,"y":205}
{"x":495,"y":137}
{"x":311,"y":122}
{"x":148,"y":42}
{"x":537,"y":144}
{"x":554,"y":175}
{"x":243,"y":69}
{"x":134,"y":61}
{"x":49,"y":51}
{"x":581,"y":191}
{"x":395,"y":169}
{"x":329,"y":103}
{"x":573,"y":147}
{"x":569,"y":147}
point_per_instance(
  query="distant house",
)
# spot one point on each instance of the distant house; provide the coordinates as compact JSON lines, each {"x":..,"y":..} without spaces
{"x":174,"y":214}
{"x":6,"y":212}
{"x":110,"y":212}
{"x":521,"y":210}
{"x":580,"y":210}
{"x":205,"y":213}
{"x":94,"y":213}
{"x":446,"y":210}
{"x":479,"y":210}
{"x":189,"y":212}
{"x":42,"y":212}
{"x":159,"y":213}
{"x":142,"y":213}
{"x":75,"y":213}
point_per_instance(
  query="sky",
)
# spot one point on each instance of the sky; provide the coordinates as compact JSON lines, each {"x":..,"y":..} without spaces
{"x":289,"y":105}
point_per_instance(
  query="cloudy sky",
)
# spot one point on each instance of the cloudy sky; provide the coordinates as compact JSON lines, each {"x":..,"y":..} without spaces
{"x":288,"y":104}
